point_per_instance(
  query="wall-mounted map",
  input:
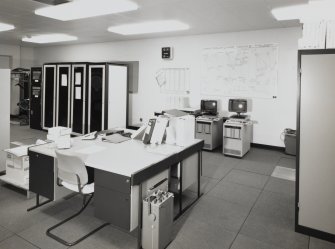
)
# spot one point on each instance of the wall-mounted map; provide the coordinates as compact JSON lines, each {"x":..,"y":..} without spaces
{"x":242,"y":71}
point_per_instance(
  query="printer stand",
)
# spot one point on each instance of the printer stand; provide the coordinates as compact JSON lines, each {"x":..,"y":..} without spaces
{"x":209,"y":128}
{"x":237,"y":136}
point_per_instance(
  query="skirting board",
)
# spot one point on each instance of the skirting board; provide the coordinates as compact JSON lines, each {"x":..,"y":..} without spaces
{"x":268,"y":147}
{"x":315,"y":233}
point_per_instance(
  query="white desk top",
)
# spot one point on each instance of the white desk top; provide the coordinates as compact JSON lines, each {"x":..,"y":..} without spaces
{"x":126,"y":158}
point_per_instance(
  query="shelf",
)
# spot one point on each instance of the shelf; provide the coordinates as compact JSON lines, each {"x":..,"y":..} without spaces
{"x":5,"y":179}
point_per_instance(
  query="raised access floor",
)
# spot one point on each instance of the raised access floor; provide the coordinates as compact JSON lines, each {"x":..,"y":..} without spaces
{"x":243,"y":208}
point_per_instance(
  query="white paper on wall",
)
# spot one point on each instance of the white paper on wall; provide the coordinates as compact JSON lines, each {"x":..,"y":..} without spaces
{"x":173,"y":80}
{"x":240,"y":71}
{"x":64,"y":80}
{"x":78,"y":79}
{"x":78,"y":93}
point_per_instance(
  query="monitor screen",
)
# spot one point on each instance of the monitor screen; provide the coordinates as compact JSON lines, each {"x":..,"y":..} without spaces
{"x":209,"y":106}
{"x":238,"y":105}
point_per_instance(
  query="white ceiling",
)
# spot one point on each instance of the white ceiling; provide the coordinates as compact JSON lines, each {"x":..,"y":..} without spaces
{"x":204,"y":16}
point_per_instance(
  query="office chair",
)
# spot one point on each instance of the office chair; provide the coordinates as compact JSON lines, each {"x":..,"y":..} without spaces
{"x":72,"y":174}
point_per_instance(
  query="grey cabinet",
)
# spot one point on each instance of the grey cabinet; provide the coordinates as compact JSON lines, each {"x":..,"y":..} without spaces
{"x":113,"y":198}
{"x":315,"y":202}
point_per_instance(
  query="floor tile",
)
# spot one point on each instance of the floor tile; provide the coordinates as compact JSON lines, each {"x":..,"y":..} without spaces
{"x":231,"y":187}
{"x":215,"y":171}
{"x":36,"y":234}
{"x":4,"y":233}
{"x":264,"y":156}
{"x":14,"y":215}
{"x":315,"y":243}
{"x":270,"y":231}
{"x":16,"y":242}
{"x":25,"y":135}
{"x":108,"y":238}
{"x":197,"y":234}
{"x":219,"y":158}
{"x":256,"y":167}
{"x":244,"y":242}
{"x":247,"y":178}
{"x":287,"y":162}
{"x":79,"y":226}
{"x":284,"y":173}
{"x":219,"y":212}
{"x":235,"y":193}
{"x":276,"y":207}
{"x":280,"y":186}
{"x":207,"y":184}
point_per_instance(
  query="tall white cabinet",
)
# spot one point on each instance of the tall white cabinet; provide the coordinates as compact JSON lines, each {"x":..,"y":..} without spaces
{"x":117,"y":95}
{"x":315,"y":196}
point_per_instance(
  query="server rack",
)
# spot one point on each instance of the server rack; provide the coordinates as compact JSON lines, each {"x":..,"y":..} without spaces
{"x":36,"y":98}
{"x":49,"y":96}
{"x":78,"y":98}
{"x":96,"y":97}
{"x":63,"y":96}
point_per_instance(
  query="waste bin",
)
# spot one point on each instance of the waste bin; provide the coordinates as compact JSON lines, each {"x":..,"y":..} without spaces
{"x":290,"y":141}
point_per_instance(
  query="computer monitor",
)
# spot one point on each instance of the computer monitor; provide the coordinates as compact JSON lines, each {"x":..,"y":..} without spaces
{"x":238,"y":105}
{"x":209,"y":107}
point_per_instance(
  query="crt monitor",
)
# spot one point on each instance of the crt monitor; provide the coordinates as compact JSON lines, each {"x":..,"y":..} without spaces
{"x":209,"y":107}
{"x":238,"y":105}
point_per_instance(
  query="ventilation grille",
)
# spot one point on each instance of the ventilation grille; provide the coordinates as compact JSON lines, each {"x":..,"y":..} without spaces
{"x":207,"y":146}
{"x":232,"y":152}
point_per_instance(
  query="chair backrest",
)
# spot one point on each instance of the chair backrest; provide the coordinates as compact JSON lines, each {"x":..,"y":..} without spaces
{"x":69,"y":166}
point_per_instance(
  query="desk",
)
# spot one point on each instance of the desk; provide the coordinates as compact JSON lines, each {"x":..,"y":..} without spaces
{"x":120,"y":172}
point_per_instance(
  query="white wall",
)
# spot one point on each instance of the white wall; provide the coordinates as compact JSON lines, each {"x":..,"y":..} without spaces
{"x":18,"y":57}
{"x":272,"y":115}
{"x":4,"y":114}
{"x":27,"y":57}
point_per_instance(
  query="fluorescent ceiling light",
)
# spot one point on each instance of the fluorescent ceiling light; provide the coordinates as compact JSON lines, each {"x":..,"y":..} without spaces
{"x":50,"y":38}
{"x":149,"y":27}
{"x":6,"y":27}
{"x":79,"y":9}
{"x":314,"y":10}
{"x":289,"y":13}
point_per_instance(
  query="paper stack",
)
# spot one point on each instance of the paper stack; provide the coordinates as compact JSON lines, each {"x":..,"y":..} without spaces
{"x":61,"y":136}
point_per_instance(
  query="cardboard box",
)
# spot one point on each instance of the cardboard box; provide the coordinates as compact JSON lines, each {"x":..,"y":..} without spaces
{"x":17,"y":168}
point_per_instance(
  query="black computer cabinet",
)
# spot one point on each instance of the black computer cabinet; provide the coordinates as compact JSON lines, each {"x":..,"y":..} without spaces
{"x":96,"y":97}
{"x":63,"y":95}
{"x":48,"y":97}
{"x":36,"y":98}
{"x":78,"y":98}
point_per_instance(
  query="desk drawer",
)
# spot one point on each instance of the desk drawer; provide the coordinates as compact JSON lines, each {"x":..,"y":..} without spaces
{"x":112,"y":181}
{"x":112,"y":206}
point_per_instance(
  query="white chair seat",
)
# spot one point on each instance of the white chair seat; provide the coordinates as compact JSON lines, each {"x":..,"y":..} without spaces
{"x":87,"y":189}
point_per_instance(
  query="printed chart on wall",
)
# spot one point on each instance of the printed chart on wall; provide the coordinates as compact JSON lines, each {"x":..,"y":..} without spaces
{"x":241,"y":71}
{"x":174,"y":84}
